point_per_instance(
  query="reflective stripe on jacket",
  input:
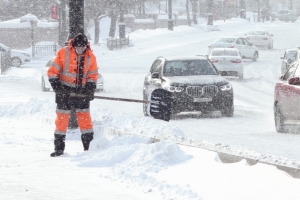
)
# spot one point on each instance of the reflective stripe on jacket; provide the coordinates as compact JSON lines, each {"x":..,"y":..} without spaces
{"x":64,"y":67}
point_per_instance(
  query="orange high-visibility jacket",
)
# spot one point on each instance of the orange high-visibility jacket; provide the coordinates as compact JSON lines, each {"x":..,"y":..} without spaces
{"x":64,"y":66}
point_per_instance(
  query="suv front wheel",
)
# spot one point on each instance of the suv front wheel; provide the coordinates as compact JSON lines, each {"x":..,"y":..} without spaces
{"x":228,"y":111}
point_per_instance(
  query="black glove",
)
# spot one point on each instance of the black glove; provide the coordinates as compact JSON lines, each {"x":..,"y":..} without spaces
{"x":89,"y":94}
{"x":58,"y":87}
{"x":90,"y":90}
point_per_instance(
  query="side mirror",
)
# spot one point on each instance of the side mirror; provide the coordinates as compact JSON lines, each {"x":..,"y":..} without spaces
{"x":271,"y":34}
{"x":281,"y":57}
{"x":251,"y":44}
{"x":294,"y":81}
{"x":155,"y":75}
{"x":281,"y":77}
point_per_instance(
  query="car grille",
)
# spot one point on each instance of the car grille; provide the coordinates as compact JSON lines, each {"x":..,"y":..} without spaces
{"x":202,"y":91}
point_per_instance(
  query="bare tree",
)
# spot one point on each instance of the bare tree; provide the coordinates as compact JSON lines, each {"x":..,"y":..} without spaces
{"x":188,"y":12}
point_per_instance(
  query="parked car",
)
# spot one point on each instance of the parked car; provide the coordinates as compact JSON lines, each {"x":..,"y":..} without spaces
{"x":286,"y":15}
{"x":46,"y":86}
{"x":260,"y":38}
{"x":228,"y":61}
{"x":290,"y":56}
{"x":287,"y":99}
{"x":247,"y":49}
{"x":194,"y":82}
{"x":17,"y":58}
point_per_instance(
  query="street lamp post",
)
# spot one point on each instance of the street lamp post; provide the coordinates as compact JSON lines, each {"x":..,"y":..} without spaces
{"x":33,"y":23}
{"x":258,"y":10}
{"x":170,"y":20}
{"x":76,"y":21}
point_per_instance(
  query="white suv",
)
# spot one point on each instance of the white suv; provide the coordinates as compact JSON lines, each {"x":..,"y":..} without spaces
{"x":17,"y":57}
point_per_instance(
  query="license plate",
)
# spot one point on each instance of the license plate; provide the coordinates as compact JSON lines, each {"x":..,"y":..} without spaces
{"x":202,"y":99}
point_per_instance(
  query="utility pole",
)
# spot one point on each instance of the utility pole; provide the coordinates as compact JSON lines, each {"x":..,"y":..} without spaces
{"x":63,"y":31}
{"x":258,"y":10}
{"x":76,"y":15}
{"x":170,"y":20}
{"x":210,"y":15}
{"x":268,"y":10}
{"x":291,"y":5}
{"x":122,"y":23}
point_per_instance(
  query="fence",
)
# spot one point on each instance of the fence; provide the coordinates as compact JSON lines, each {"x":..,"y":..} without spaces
{"x":117,"y":43}
{"x":45,"y":50}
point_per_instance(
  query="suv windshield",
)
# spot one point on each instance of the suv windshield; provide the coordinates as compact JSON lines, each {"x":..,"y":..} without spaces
{"x":189,"y":68}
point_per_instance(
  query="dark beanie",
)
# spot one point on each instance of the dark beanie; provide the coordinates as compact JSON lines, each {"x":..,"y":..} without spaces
{"x":80,"y":40}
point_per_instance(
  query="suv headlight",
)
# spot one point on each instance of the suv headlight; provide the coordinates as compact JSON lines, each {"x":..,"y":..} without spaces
{"x":225,"y":87}
{"x":25,"y":54}
{"x":174,"y":89}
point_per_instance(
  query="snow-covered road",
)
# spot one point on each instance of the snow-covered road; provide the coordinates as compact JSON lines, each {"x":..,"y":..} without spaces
{"x":252,"y":126}
{"x":130,"y":167}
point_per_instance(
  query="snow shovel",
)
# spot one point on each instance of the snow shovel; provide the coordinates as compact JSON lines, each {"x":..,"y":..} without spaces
{"x":159,"y":105}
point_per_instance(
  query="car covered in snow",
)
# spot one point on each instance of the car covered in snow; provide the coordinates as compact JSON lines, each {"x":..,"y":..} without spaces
{"x":290,"y":56}
{"x":287,"y":99}
{"x":194,"y":83}
{"x":228,"y":61}
{"x":17,"y":57}
{"x":260,"y":38}
{"x":285,"y":15}
{"x":247,"y":49}
{"x":46,"y":86}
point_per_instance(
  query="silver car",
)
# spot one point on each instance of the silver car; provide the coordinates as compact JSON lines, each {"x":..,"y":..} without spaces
{"x":290,"y":56}
{"x":46,"y":86}
{"x":286,"y":15}
{"x":247,"y":49}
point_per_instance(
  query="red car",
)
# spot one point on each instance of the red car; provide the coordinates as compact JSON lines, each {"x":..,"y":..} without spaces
{"x":287,"y":99}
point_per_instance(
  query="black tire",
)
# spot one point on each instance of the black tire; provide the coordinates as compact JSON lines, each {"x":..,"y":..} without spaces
{"x":279,"y":120}
{"x":255,"y":56}
{"x":44,"y":89}
{"x":270,"y":46}
{"x":228,"y":111}
{"x":16,"y":62}
{"x":241,"y":76}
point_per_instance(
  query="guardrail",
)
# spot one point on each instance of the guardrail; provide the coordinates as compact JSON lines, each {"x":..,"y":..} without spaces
{"x":45,"y":50}
{"x":117,"y":43}
{"x":225,"y":153}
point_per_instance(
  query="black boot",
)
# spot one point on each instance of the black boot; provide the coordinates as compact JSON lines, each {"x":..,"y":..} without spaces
{"x":86,"y":138}
{"x":59,"y":144}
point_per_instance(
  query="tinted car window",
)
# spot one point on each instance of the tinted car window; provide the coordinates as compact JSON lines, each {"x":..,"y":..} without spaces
{"x":240,"y":41}
{"x":246,"y":42}
{"x":189,"y":68}
{"x":155,"y":66}
{"x":49,"y":63}
{"x":297,"y":72}
{"x":290,"y":72}
{"x":291,"y":56}
{"x":224,"y":52}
